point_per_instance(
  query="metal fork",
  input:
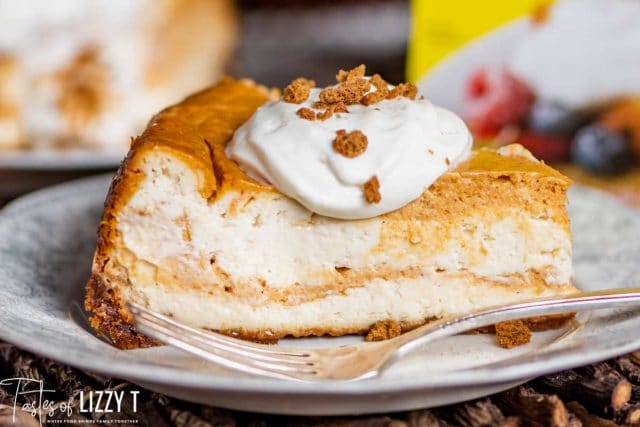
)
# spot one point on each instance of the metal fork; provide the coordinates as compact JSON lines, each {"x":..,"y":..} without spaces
{"x":362,"y":360}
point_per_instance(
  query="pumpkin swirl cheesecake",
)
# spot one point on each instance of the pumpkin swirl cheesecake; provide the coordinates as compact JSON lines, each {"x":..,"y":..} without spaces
{"x":324,"y":211}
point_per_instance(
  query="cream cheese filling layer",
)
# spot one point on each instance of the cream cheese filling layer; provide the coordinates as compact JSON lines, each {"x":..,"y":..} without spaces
{"x":410,"y":300}
{"x":272,"y":238}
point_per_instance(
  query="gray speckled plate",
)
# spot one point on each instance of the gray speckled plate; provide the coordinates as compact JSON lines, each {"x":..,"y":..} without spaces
{"x":46,"y":244}
{"x":61,"y":160}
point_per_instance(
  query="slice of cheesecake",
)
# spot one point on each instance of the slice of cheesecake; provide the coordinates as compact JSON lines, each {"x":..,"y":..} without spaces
{"x":186,"y":232}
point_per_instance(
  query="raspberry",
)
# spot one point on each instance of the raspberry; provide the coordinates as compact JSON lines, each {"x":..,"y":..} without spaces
{"x":495,"y":98}
{"x":552,"y":149}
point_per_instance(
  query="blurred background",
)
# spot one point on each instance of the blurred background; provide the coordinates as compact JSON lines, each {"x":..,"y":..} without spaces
{"x":79,"y":78}
{"x":284,"y":39}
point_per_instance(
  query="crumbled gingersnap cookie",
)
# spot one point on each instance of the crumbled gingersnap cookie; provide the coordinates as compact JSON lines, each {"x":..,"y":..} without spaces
{"x":306,"y":113}
{"x":355,"y":89}
{"x":512,"y":333}
{"x":349,"y":93}
{"x":350,"y":144}
{"x":355,"y":73}
{"x":326,"y":114}
{"x":379,"y":83}
{"x":383,"y":330}
{"x":372,"y":98}
{"x":298,"y":90}
{"x":372,"y":190}
{"x":331,"y":95}
{"x":382,"y":90}
{"x":408,"y":90}
{"x":338,"y":107}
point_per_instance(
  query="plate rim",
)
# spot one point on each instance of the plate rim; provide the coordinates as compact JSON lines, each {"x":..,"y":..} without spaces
{"x":72,"y":159}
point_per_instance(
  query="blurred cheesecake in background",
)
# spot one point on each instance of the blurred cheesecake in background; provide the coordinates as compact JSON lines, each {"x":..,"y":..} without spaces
{"x":90,"y":74}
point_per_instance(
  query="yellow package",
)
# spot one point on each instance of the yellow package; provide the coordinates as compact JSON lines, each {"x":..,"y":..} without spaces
{"x":439,"y":27}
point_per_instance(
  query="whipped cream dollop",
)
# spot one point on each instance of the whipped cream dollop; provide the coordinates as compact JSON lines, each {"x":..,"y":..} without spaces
{"x":586,"y":53}
{"x":410,"y":144}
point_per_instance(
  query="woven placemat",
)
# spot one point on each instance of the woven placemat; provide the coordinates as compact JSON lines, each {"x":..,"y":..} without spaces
{"x":603,"y":394}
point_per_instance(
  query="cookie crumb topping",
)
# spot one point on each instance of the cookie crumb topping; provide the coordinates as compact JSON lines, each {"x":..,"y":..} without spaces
{"x":338,"y":107}
{"x":512,"y":333}
{"x":298,"y":90}
{"x":382,"y":90}
{"x":350,"y":144}
{"x":407,"y":90}
{"x":372,"y":98}
{"x":384,"y":330}
{"x":350,"y":92}
{"x":379,"y":83}
{"x":372,"y":190}
{"x":355,"y":73}
{"x":306,"y":113}
{"x":353,"y":88}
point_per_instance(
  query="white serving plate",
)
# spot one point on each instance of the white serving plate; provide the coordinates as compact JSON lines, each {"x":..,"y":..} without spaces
{"x":47,"y":241}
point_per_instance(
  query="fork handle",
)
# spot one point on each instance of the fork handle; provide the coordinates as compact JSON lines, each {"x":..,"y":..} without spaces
{"x":584,"y":301}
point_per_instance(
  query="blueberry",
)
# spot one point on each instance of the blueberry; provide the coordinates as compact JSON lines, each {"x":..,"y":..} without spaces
{"x":552,"y":118}
{"x":602,"y":151}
